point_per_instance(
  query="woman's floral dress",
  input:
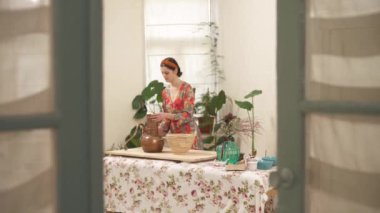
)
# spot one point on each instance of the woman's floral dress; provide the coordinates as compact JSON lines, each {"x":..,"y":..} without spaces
{"x":182,"y":107}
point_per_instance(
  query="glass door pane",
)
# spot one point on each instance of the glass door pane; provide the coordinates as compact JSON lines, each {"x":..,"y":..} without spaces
{"x":28,"y":171}
{"x":342,"y":163}
{"x":26,"y":85}
{"x":343,"y":50}
{"x":27,"y":157}
{"x":342,"y":65}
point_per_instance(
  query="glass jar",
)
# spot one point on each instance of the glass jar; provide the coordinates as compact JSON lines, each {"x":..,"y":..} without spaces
{"x":228,"y":151}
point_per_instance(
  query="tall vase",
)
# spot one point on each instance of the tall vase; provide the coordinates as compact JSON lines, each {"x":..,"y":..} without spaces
{"x":150,"y":140}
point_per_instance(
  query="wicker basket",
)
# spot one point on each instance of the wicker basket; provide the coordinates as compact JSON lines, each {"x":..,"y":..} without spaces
{"x":180,"y":143}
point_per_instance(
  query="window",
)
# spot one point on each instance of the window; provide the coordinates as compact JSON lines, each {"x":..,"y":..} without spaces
{"x":179,"y":29}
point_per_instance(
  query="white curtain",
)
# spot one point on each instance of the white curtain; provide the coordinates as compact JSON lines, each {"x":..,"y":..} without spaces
{"x":175,"y":28}
{"x":26,"y":157}
{"x":343,"y":64}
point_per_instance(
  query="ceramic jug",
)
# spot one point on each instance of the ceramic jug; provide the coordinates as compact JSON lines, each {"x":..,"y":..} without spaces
{"x":150,"y":140}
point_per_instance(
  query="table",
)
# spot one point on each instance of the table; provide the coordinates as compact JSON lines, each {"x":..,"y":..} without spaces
{"x":142,"y":185}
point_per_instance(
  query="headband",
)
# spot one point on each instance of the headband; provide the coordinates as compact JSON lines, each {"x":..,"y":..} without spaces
{"x":169,"y":64}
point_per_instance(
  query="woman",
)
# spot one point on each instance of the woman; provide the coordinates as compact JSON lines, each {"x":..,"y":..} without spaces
{"x":177,"y":103}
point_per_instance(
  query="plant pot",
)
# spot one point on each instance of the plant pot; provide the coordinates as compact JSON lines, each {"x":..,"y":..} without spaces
{"x":206,"y":124}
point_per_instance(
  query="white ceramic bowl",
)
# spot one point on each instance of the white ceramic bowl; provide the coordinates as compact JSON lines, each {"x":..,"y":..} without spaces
{"x":252,"y":164}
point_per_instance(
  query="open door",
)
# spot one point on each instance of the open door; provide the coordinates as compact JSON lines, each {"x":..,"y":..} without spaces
{"x":328,"y":106}
{"x":51,"y":106}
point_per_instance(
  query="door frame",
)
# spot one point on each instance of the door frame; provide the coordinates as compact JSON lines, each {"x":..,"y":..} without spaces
{"x":77,"y":58}
{"x":290,"y":93}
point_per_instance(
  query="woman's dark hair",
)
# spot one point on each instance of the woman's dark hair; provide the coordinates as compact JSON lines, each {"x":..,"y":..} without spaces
{"x":171,"y":64}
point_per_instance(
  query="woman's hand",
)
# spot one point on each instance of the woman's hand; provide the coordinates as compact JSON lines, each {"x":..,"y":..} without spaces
{"x":161,"y":132}
{"x":160,"y":116}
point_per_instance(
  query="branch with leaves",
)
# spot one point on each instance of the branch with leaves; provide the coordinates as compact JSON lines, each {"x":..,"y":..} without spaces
{"x":229,"y":126}
{"x":249,"y":107}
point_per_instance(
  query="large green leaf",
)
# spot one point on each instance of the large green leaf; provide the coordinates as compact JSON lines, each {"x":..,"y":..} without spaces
{"x":131,"y":133}
{"x":148,"y":93}
{"x":206,"y":97}
{"x":134,"y":137}
{"x":244,"y":105}
{"x":199,"y":108}
{"x":253,"y":93}
{"x":140,"y":113}
{"x":139,"y":132}
{"x":138,"y":102}
{"x":216,"y":103}
{"x":134,"y":129}
{"x":159,"y":98}
{"x":221,"y":99}
{"x":135,"y":142}
{"x":153,"y":83}
{"x":158,"y":87}
{"x":211,"y":110}
{"x":154,"y":88}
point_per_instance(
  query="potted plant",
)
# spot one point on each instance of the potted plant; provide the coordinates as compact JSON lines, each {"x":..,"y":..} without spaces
{"x":224,"y":130}
{"x":249,"y":107}
{"x":207,"y":108}
{"x":223,"y":139}
{"x":227,"y":128}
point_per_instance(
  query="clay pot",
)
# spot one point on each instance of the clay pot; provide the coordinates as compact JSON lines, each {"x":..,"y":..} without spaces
{"x":151,"y":143}
{"x":150,"y":140}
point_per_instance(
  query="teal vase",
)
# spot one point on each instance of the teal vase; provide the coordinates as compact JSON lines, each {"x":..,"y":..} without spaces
{"x":228,"y":151}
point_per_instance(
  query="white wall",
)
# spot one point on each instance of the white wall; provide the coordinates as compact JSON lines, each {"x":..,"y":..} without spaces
{"x":249,"y":49}
{"x":123,"y":66}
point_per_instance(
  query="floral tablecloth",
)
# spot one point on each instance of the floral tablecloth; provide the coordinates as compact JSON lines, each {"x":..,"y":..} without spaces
{"x":142,"y":185}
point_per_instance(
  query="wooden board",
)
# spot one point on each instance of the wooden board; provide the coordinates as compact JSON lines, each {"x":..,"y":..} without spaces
{"x":240,"y":166}
{"x":191,"y":156}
